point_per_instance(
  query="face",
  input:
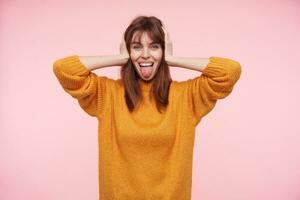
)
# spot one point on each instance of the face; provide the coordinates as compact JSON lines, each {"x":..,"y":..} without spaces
{"x":145,"y":55}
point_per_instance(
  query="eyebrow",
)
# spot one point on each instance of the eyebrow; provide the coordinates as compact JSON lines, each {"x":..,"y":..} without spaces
{"x":136,"y":42}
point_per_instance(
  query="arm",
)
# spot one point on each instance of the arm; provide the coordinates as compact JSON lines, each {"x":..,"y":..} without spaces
{"x":197,"y":64}
{"x":95,"y":62}
{"x":75,"y":76}
{"x":216,"y":82}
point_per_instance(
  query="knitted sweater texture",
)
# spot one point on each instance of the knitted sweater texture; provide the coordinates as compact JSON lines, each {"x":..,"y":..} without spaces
{"x":146,"y":155}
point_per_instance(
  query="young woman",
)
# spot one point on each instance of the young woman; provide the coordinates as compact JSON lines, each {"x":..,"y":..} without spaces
{"x":146,"y":120}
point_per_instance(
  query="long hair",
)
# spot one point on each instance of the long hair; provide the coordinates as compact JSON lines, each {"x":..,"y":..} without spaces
{"x":129,"y":77}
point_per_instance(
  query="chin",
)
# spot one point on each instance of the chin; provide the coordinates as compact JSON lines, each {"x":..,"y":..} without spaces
{"x":146,"y":79}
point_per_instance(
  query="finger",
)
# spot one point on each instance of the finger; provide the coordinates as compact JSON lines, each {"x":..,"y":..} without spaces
{"x":164,"y":26}
{"x":167,"y":36}
{"x":165,"y":31}
{"x":123,"y":37}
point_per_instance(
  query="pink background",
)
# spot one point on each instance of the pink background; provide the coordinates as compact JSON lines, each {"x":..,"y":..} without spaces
{"x":247,"y":148}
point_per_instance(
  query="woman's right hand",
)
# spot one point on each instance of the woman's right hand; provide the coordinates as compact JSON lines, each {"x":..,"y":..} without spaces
{"x":123,"y":50}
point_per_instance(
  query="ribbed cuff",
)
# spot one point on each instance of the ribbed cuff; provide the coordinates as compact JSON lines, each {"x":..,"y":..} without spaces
{"x":219,"y":66}
{"x":73,"y":66}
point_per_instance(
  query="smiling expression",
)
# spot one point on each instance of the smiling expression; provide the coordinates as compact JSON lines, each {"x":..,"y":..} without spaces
{"x":145,"y":51}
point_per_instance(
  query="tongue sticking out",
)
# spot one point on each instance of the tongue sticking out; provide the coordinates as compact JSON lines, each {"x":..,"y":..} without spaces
{"x":146,"y":71}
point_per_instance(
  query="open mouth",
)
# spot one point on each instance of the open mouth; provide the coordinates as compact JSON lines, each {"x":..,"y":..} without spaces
{"x":146,"y":69}
{"x":146,"y":64}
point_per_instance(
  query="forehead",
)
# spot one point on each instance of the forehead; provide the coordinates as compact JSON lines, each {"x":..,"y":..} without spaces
{"x":141,"y":37}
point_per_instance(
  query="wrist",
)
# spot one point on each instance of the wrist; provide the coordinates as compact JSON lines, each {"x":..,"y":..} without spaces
{"x":123,"y":59}
{"x":169,"y":59}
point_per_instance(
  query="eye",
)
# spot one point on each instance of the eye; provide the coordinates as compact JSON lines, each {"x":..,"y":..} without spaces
{"x":136,"y":47}
{"x":155,"y":46}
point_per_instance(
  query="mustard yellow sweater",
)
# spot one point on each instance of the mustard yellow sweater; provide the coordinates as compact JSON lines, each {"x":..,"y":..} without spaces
{"x":146,"y":155}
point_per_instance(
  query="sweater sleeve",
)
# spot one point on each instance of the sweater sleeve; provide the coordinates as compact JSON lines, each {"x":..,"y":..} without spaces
{"x":81,"y":84}
{"x":216,"y":82}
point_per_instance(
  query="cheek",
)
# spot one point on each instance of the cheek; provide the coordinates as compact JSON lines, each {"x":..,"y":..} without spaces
{"x":158,"y":55}
{"x":158,"y":58}
{"x":134,"y":55}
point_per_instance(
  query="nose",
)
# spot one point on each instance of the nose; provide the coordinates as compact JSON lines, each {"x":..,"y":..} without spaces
{"x":145,"y":53}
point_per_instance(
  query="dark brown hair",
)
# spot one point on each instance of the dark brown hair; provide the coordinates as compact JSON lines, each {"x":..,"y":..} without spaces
{"x":130,"y":78}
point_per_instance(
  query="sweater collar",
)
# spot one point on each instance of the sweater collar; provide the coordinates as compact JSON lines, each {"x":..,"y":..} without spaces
{"x":145,"y":85}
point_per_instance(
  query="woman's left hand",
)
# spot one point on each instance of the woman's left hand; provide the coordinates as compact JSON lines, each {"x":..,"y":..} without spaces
{"x":168,"y":45}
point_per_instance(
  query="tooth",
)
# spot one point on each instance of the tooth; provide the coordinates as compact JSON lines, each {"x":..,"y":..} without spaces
{"x":146,"y":63}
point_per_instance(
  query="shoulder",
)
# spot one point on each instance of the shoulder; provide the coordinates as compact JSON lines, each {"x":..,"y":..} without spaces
{"x":107,"y":80}
{"x":108,"y":84}
{"x":178,"y":88}
{"x":182,"y":85}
